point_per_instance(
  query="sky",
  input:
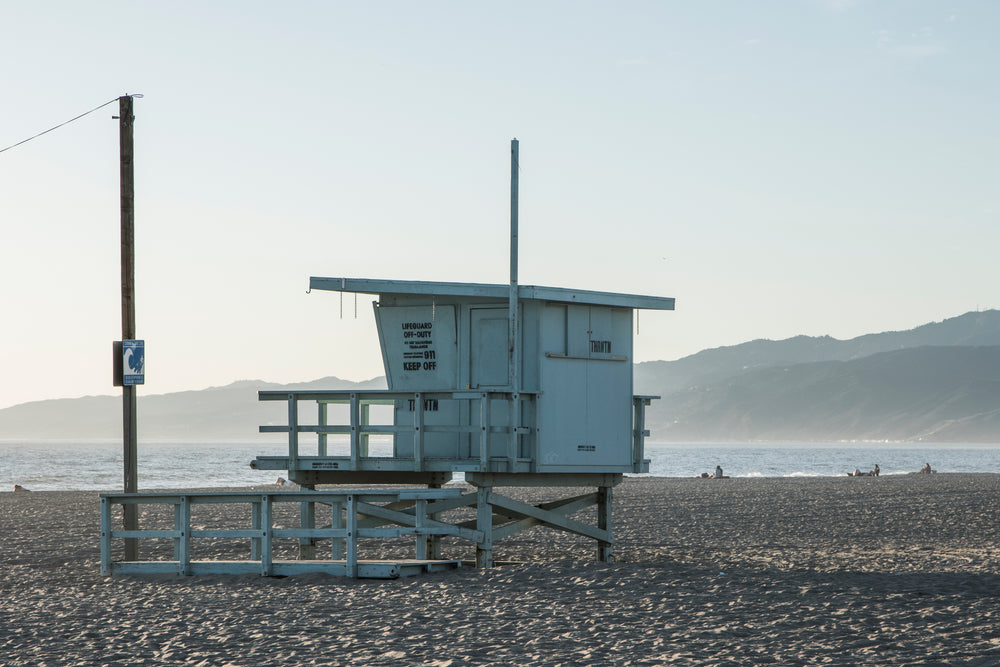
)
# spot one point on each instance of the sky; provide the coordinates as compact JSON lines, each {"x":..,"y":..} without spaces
{"x":817,"y":167}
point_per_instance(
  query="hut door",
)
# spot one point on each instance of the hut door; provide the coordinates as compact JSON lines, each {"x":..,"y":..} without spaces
{"x":488,"y":365}
{"x":488,"y":368}
{"x":586,"y":383}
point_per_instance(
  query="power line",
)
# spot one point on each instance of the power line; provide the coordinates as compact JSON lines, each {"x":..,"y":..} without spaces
{"x":59,"y":125}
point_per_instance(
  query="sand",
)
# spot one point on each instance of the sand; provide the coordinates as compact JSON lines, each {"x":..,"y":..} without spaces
{"x":901,"y":570}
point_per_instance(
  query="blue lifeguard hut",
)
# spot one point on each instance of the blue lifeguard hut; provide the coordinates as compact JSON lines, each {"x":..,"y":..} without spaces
{"x":458,"y":405}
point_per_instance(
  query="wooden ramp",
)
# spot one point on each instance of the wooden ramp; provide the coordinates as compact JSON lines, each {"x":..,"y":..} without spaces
{"x":365,"y":569}
{"x":280,"y":533}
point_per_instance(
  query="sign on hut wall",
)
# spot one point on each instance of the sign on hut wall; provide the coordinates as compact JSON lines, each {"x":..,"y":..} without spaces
{"x":419,"y":346}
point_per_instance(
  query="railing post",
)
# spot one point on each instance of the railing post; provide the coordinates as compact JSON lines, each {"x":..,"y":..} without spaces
{"x":513,"y":419}
{"x":531,"y":444}
{"x":638,"y":429}
{"x":307,"y":519}
{"x":418,"y":431}
{"x":266,"y":546}
{"x":184,"y":562}
{"x":484,"y":438}
{"x":434,"y":541}
{"x":355,"y":440}
{"x":352,"y":536}
{"x":255,"y":542}
{"x":105,"y":537}
{"x":293,"y":433}
{"x":337,"y":521}
{"x":366,"y":410}
{"x":321,"y":419}
{"x":178,"y":528}
{"x":420,"y":548}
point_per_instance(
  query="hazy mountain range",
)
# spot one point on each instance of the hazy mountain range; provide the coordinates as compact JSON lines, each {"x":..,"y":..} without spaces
{"x":939,"y":382}
{"x":231,"y":412}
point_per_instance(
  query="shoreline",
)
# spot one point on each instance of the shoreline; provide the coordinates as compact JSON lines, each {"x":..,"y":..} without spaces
{"x":626,"y":477}
{"x":83,"y":468}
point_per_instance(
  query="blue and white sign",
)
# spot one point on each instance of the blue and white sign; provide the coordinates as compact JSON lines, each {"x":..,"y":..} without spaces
{"x":133,"y":362}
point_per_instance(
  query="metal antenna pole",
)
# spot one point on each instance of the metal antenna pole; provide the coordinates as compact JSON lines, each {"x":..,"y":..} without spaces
{"x":514,"y":342}
{"x":129,"y":439}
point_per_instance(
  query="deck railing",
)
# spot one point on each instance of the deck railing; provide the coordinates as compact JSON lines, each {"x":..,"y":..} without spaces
{"x":360,"y":428}
{"x":639,"y":431}
{"x":480,"y":425}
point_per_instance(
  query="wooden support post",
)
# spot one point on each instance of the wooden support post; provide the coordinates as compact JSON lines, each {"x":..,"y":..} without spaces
{"x":484,"y":524}
{"x":605,"y":549}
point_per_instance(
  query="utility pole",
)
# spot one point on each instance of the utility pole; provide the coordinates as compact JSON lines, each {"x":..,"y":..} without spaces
{"x":129,"y":440}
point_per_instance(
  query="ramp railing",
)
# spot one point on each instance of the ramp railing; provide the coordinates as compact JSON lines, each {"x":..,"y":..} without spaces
{"x":408,"y":511}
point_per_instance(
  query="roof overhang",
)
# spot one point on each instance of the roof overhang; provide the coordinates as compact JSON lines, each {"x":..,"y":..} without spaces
{"x":490,"y":291}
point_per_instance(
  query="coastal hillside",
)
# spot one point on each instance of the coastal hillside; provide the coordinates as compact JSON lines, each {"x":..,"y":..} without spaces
{"x":231,"y":412}
{"x":931,"y":383}
{"x":930,"y":394}
{"x":974,"y":329}
{"x":938,"y":382}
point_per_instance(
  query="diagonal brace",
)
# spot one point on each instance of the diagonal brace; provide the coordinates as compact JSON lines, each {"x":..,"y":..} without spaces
{"x":563,"y":507}
{"x":514,"y":508}
{"x":405,"y":519}
{"x":407,"y":506}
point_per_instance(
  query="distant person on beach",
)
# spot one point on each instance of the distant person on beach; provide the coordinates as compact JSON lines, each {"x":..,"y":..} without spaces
{"x":926,"y":470}
{"x":18,"y":487}
{"x":877,"y":470}
{"x":718,"y":472}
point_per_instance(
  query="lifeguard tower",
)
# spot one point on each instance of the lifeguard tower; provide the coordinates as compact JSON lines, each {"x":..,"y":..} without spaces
{"x":508,"y":385}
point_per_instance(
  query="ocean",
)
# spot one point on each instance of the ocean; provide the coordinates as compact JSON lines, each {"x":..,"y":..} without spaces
{"x":55,"y":466}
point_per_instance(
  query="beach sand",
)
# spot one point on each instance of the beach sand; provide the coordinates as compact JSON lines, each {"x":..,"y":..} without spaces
{"x":901,"y":570}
